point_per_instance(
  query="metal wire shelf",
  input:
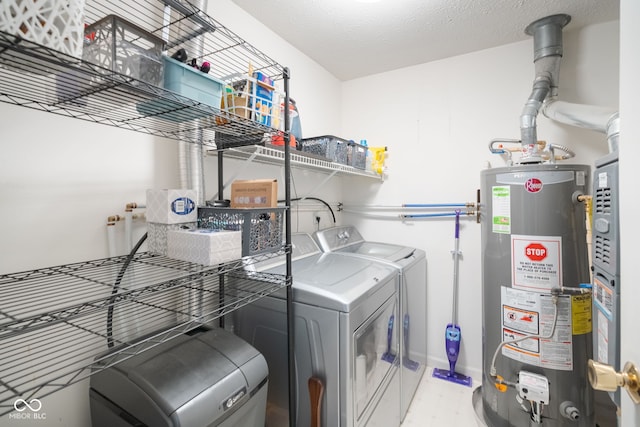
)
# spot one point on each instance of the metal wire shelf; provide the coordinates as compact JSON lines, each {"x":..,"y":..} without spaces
{"x":55,"y":325}
{"x":41,"y":78}
{"x":274,"y":155}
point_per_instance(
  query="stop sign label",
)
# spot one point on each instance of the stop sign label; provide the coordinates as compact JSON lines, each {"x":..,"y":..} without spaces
{"x":535,"y":251}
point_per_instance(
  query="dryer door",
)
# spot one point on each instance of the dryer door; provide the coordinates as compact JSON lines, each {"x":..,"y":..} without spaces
{"x":376,"y":364}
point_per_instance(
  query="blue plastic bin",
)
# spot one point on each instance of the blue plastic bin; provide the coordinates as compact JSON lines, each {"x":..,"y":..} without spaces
{"x":188,"y":82}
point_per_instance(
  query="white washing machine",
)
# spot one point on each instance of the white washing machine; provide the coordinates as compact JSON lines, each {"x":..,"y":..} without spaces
{"x":411,"y":266}
{"x":342,"y":310}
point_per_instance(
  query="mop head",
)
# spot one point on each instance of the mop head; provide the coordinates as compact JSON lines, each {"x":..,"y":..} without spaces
{"x":452,"y":376}
{"x":410,"y":364}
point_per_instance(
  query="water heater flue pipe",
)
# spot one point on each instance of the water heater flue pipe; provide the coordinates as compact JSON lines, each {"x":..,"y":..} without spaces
{"x":600,"y":119}
{"x":547,"y":41}
{"x":547,"y":44}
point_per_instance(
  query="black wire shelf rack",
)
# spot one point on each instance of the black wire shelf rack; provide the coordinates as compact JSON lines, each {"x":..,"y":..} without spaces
{"x":59,"y":325}
{"x":42,"y":78}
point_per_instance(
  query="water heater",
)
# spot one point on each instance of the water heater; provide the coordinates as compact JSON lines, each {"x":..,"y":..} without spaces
{"x":537,"y":326}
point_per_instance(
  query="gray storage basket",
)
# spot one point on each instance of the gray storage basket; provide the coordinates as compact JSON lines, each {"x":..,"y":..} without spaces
{"x":332,"y":147}
{"x":261,"y":227}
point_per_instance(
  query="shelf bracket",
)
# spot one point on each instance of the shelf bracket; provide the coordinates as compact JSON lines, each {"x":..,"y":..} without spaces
{"x":320,"y":184}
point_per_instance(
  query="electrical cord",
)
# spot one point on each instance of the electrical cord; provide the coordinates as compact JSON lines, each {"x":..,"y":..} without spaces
{"x":116,"y":287}
{"x":297,"y":199}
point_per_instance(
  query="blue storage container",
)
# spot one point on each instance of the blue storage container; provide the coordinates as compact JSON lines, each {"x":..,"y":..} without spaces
{"x":192,"y":83}
{"x":188,"y":82}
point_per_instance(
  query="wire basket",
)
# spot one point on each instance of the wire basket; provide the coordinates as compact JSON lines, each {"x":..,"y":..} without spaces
{"x":357,"y":155}
{"x":332,"y":147}
{"x":261,"y":228}
{"x":116,"y":44}
{"x":55,"y":24}
{"x":254,"y":98}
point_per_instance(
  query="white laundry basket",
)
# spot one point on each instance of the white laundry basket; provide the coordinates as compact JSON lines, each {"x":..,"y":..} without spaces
{"x":52,"y":23}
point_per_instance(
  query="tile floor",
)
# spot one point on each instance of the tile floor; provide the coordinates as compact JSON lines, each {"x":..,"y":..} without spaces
{"x":440,"y":403}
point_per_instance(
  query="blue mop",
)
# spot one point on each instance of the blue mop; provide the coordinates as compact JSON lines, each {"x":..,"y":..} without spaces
{"x":388,"y":355}
{"x":453,"y":334}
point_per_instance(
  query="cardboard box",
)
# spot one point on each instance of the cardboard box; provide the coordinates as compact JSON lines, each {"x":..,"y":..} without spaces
{"x":255,"y":193}
{"x":171,"y":206}
{"x":203,"y":246}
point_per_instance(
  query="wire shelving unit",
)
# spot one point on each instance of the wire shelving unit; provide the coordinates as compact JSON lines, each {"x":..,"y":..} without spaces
{"x":59,"y":325}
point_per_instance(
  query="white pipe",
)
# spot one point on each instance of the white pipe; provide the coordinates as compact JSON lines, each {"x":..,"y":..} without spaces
{"x":111,"y":238}
{"x":412,"y":206}
{"x":580,"y":115}
{"x":134,"y":205}
{"x":600,"y":119}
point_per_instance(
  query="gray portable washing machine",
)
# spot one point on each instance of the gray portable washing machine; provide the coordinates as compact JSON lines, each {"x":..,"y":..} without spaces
{"x":342,"y":308}
{"x":411,"y":264}
{"x":205,"y":378}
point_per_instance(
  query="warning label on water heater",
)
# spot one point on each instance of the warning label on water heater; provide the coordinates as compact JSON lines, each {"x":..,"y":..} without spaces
{"x":527,"y":325}
{"x":536,"y":262}
{"x":501,"y":215}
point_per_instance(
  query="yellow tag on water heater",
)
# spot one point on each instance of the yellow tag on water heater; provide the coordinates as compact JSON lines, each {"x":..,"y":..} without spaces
{"x":581,"y":314}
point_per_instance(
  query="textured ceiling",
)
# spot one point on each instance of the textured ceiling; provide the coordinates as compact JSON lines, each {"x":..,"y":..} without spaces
{"x":354,"y":38}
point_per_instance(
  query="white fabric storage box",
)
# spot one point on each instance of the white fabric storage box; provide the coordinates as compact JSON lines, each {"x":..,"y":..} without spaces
{"x":157,"y":235}
{"x":204,"y":246}
{"x":171,"y":206}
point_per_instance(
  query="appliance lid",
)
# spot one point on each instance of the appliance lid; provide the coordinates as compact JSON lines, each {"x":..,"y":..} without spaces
{"x":335,"y":238}
{"x":386,"y":251}
{"x":211,"y":363}
{"x":347,"y":239}
{"x":337,"y":282}
{"x":302,"y":246}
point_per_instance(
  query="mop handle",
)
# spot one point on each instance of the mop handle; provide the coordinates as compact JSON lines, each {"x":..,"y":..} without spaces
{"x":456,"y":254}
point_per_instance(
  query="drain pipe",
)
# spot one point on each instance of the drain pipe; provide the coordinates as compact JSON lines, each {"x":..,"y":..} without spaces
{"x":547,"y":41}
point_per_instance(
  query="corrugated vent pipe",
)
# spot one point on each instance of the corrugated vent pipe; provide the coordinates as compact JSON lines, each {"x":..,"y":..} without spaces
{"x":600,"y":119}
{"x":547,"y":40}
{"x":191,"y":155}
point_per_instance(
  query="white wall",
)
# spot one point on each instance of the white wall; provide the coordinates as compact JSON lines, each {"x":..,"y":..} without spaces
{"x":629,"y":203}
{"x":437,"y":120}
{"x":60,"y":179}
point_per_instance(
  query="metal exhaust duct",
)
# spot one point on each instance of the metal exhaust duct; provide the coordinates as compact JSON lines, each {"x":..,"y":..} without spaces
{"x":547,"y":41}
{"x":599,"y":119}
{"x":191,"y":155}
{"x":548,"y":50}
